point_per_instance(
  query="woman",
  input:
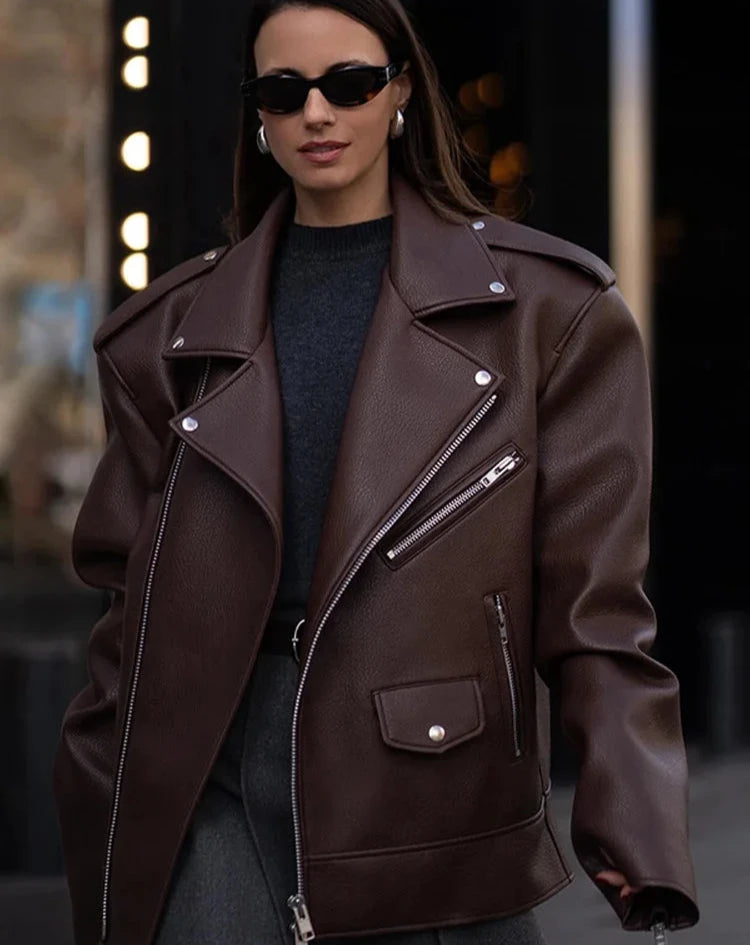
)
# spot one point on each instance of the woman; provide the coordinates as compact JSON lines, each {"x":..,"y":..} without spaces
{"x":376,"y":475}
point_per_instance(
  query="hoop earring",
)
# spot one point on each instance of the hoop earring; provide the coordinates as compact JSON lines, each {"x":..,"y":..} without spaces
{"x":261,"y":141}
{"x":398,"y":130}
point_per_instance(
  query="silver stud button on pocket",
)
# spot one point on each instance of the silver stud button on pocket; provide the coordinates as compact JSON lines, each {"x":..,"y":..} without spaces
{"x":189,"y":423}
{"x":497,"y":287}
{"x":436,"y":733}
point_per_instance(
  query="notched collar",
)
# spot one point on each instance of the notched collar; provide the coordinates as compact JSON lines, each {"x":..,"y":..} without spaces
{"x":434,"y":265}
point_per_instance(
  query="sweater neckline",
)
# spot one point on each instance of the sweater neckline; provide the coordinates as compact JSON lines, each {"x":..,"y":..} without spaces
{"x":351,"y":239}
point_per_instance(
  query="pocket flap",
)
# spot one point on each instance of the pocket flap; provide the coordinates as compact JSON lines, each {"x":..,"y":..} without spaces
{"x":430,"y":716}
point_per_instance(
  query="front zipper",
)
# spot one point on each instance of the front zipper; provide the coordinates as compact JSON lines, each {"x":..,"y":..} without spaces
{"x":177,"y":462}
{"x":490,"y":477}
{"x":502,"y":627}
{"x":302,"y":924}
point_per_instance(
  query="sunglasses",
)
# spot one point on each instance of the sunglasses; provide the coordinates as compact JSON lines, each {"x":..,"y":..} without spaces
{"x":346,"y":87}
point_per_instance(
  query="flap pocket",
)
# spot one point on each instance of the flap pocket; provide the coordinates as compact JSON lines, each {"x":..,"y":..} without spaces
{"x":430,"y":716}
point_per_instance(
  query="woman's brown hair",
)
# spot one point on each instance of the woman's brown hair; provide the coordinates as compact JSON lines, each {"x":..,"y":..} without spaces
{"x":431,"y":153}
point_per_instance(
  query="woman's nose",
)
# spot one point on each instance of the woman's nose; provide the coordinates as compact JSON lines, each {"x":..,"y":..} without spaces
{"x":316,"y":105}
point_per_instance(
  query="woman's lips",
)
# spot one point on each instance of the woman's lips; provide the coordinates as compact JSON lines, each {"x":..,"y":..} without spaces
{"x":324,"y":157}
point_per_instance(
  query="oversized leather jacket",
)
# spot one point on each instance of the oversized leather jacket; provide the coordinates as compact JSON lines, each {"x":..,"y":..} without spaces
{"x":486,"y":538}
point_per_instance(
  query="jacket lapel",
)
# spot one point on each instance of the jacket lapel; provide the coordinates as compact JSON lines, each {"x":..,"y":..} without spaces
{"x":413,"y":392}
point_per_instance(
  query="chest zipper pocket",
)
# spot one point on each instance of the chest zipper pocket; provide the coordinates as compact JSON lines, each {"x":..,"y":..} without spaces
{"x":498,"y":623}
{"x":449,"y":507}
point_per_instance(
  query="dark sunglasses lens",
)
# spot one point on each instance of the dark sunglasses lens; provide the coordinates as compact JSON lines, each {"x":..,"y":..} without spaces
{"x":288,"y":93}
{"x":349,"y":87}
{"x":280,"y":93}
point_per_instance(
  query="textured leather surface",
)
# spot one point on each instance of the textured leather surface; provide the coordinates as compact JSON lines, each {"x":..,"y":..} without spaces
{"x":183,"y":524}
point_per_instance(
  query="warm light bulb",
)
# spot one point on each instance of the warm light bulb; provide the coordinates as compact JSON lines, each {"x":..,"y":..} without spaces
{"x":490,"y":89}
{"x":468,"y":98}
{"x":135,"y":231}
{"x":136,"y":32}
{"x":136,"y":151}
{"x":135,"y":72}
{"x":134,"y":271}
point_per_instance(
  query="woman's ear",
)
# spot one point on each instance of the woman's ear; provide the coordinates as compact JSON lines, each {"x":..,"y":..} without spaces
{"x":405,"y":84}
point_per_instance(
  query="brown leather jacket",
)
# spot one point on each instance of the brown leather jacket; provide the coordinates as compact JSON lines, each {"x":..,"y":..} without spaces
{"x":486,"y":538}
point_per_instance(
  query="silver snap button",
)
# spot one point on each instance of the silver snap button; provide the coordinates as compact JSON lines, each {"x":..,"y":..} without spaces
{"x":178,"y":342}
{"x":189,"y":423}
{"x":436,"y":733}
{"x":478,"y":224}
{"x":497,"y":287}
{"x":483,"y":377}
{"x":211,"y":254}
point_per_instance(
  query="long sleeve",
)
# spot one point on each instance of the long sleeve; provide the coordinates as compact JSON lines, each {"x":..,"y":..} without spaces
{"x":594,"y":624}
{"x":104,"y":533}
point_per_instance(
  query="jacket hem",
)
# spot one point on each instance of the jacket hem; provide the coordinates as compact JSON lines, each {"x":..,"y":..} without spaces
{"x":405,"y":889}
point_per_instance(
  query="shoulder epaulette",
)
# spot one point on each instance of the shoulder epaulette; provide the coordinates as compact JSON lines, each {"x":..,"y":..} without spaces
{"x":508,"y":234}
{"x":177,"y":275}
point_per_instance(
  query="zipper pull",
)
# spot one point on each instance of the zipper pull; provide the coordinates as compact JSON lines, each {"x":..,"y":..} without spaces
{"x":659,"y":926}
{"x":501,"y":618}
{"x":302,"y":926}
{"x":505,"y":465}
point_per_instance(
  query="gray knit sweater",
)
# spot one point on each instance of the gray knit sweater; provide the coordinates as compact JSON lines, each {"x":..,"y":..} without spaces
{"x":324,"y":289}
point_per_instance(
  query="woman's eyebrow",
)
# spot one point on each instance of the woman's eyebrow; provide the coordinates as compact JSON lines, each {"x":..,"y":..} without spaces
{"x":336,"y":65}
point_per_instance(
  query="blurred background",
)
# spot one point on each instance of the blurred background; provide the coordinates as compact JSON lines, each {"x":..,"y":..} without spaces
{"x":620,"y":125}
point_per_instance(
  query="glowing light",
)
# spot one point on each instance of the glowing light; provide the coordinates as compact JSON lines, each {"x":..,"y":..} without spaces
{"x":490,"y":90}
{"x":135,"y":72}
{"x":134,"y":271}
{"x":468,"y":98}
{"x":136,"y":33}
{"x":136,"y":151}
{"x":135,"y":231}
{"x":509,"y":164}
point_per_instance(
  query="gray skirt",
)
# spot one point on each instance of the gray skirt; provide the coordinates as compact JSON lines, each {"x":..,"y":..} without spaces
{"x":236,"y":866}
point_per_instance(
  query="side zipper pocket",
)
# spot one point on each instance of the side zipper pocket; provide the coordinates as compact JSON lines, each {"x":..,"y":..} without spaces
{"x":499,"y":628}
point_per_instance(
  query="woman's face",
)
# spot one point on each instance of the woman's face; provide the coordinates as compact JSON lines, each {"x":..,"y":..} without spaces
{"x":310,"y":40}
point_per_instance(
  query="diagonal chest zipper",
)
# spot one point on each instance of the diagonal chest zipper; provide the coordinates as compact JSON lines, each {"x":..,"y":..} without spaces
{"x":302,"y":924}
{"x":493,"y":476}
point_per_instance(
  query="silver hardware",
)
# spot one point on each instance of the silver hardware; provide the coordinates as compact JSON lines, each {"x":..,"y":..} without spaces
{"x":261,"y":140}
{"x":478,"y":224}
{"x":502,"y":624}
{"x":497,"y":287}
{"x":660,"y":933}
{"x":303,"y":930}
{"x":178,"y":342}
{"x":295,"y":639}
{"x":189,"y":423}
{"x":138,"y":659}
{"x":436,"y":733}
{"x":483,"y":377}
{"x":428,"y":476}
{"x":495,"y":472}
{"x":397,"y":124}
{"x":211,"y":254}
